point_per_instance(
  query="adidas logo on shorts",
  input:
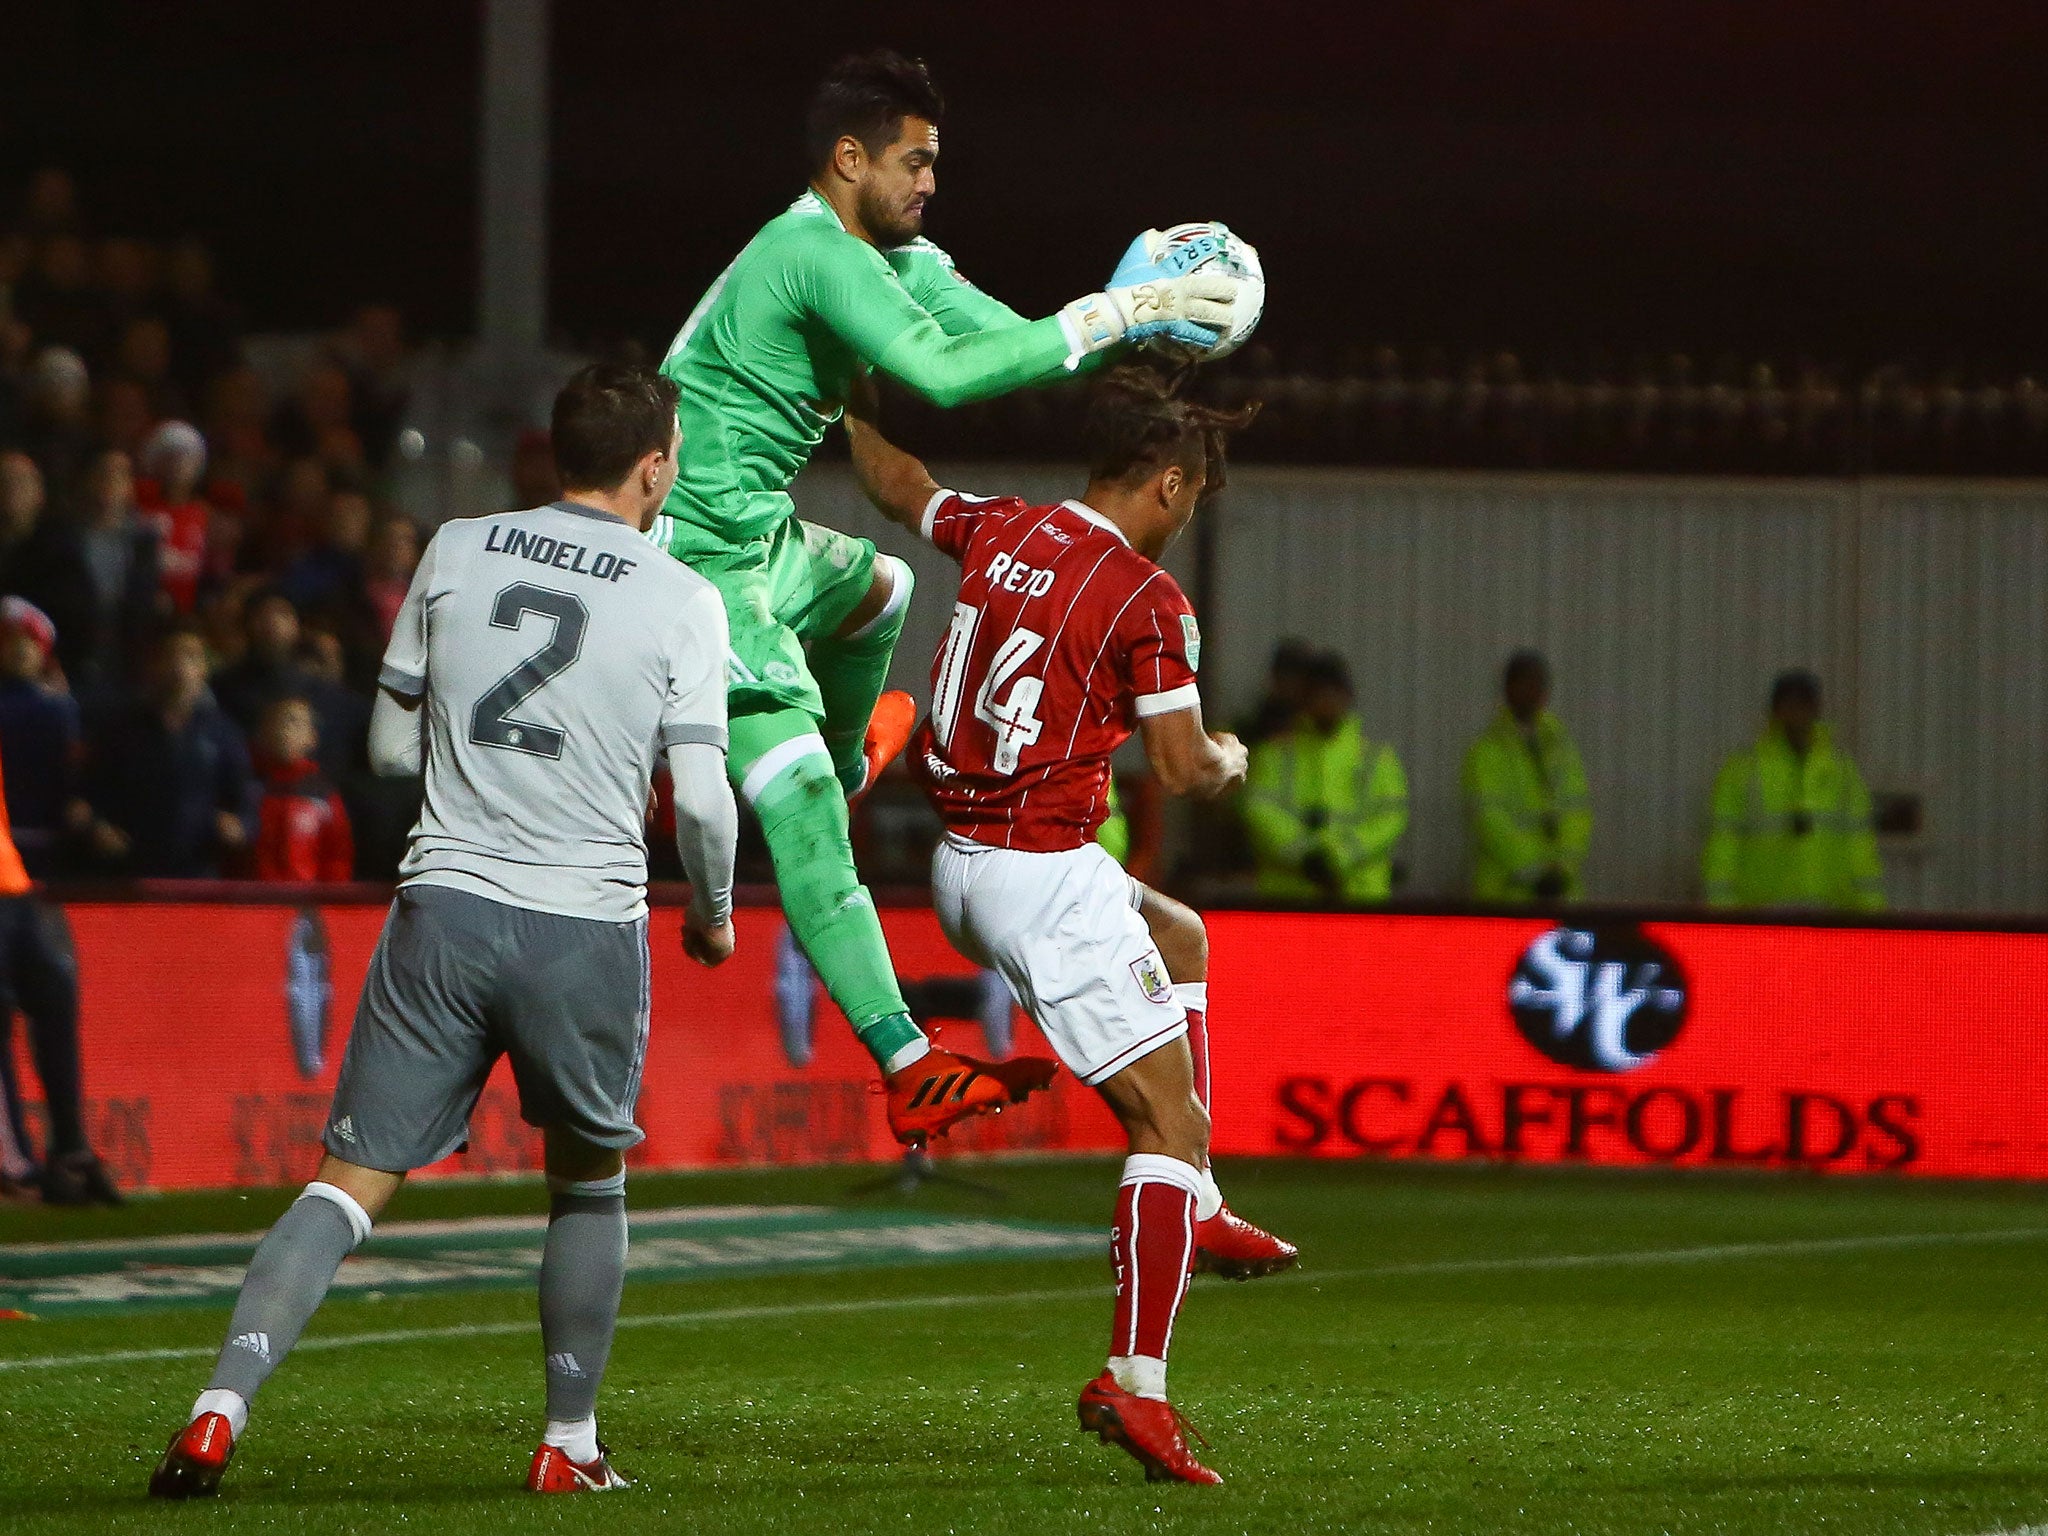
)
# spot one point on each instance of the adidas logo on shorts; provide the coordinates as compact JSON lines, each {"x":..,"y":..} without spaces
{"x":345,"y":1129}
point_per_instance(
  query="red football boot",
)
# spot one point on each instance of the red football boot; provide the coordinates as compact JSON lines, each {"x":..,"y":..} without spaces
{"x":889,"y":729}
{"x":194,"y":1460}
{"x":939,"y":1089}
{"x":1147,"y":1427}
{"x":1228,"y":1245}
{"x":553,"y":1472}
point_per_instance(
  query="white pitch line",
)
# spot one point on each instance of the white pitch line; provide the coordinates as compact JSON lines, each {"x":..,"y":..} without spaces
{"x":1704,"y":1254}
{"x":653,"y":1218}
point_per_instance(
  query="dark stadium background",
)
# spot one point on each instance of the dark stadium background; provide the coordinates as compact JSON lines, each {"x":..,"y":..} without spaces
{"x":1861,"y":181}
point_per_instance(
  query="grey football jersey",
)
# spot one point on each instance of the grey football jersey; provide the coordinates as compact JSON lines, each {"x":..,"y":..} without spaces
{"x":559,"y":653}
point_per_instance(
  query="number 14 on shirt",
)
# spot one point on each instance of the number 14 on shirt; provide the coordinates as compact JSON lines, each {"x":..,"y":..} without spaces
{"x":1013,"y":719}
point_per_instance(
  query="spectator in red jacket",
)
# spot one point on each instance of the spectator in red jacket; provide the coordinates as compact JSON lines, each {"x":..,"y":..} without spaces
{"x":174,"y":460}
{"x":303,"y":830}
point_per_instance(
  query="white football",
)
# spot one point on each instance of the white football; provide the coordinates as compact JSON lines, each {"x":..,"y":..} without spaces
{"x":1210,"y":246}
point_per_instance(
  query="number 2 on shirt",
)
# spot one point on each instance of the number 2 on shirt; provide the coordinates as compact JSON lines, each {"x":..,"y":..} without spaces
{"x":491,"y":723}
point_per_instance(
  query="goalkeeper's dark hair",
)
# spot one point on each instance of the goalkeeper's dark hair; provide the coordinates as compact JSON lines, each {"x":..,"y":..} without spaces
{"x":868,"y":95}
{"x":609,"y":417}
{"x":1139,"y":423}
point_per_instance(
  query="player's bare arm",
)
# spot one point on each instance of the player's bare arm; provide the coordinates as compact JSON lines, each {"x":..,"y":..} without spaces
{"x":1189,"y":760}
{"x":895,"y":480}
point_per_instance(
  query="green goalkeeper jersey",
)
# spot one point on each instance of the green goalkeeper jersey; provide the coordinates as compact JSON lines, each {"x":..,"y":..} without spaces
{"x":766,"y":358}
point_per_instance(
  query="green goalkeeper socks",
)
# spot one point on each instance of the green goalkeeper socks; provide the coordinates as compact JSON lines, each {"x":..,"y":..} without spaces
{"x":851,"y":674}
{"x":787,"y":776}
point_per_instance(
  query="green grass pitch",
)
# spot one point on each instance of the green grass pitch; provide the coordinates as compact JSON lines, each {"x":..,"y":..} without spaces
{"x":1464,"y":1349}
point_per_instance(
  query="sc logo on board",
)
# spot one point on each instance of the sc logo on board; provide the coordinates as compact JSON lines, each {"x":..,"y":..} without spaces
{"x":1603,"y":999}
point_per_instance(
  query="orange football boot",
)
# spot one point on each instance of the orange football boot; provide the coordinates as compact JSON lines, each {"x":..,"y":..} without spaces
{"x":553,"y":1472}
{"x":194,"y":1460}
{"x":1148,"y":1427}
{"x":938,"y":1090}
{"x":889,"y":729}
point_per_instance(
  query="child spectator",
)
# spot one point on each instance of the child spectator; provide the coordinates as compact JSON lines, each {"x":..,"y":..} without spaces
{"x":302,"y":828}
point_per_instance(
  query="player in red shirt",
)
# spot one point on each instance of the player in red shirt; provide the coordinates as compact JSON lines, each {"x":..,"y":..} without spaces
{"x":1066,"y":637}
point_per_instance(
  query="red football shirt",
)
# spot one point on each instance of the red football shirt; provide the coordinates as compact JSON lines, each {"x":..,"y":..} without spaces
{"x":1062,"y":639}
{"x":302,"y":831}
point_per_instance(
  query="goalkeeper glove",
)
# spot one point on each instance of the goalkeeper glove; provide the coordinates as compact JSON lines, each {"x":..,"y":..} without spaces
{"x":1176,"y":258}
{"x":1194,"y":310}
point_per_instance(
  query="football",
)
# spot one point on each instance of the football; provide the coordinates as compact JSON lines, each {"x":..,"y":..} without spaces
{"x":1211,"y":246}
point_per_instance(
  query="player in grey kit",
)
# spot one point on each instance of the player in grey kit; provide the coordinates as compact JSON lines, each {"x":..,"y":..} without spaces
{"x":541,"y":660}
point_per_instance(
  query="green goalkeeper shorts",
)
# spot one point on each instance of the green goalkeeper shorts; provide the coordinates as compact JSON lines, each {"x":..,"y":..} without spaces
{"x":782,"y":592}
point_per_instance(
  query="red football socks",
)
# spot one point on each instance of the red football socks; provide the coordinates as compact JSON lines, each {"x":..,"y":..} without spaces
{"x":1153,"y":1248}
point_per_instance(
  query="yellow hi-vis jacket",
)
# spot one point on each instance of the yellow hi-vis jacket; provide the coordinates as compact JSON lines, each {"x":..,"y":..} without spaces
{"x":1792,"y":832}
{"x":1338,"y":795}
{"x":1115,"y":832}
{"x":1527,"y":808}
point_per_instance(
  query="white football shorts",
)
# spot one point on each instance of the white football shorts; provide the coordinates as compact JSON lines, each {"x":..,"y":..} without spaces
{"x":1063,"y":930}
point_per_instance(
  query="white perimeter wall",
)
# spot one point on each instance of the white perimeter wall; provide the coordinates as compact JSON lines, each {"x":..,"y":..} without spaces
{"x":1665,"y":606}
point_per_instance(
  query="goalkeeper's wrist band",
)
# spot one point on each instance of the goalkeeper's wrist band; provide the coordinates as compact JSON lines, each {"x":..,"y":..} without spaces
{"x":1091,"y":325}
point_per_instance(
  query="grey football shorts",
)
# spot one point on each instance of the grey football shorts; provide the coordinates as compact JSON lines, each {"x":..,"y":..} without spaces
{"x":458,"y":980}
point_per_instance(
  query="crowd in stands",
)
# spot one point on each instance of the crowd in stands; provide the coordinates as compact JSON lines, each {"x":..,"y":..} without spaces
{"x":200,"y":563}
{"x":1670,"y":413}
{"x":200,"y":569}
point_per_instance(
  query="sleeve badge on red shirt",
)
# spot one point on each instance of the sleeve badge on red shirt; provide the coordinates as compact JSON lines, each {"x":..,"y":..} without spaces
{"x":1191,"y":641}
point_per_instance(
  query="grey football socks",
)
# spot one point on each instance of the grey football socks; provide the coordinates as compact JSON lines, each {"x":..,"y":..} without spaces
{"x":582,"y":1276}
{"x":287,"y":1279}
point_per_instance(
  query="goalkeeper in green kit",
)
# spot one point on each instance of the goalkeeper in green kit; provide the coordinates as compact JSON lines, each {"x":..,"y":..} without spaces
{"x":840,"y":284}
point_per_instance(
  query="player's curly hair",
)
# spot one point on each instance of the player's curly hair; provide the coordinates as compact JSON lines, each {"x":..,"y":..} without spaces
{"x":868,"y":95}
{"x":1139,"y":422}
